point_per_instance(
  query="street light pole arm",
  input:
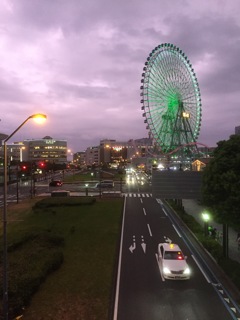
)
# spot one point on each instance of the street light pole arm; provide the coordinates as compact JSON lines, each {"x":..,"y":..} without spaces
{"x":10,"y":136}
{"x":4,"y":219}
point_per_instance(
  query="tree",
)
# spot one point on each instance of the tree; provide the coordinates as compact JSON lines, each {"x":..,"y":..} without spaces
{"x":221,"y":181}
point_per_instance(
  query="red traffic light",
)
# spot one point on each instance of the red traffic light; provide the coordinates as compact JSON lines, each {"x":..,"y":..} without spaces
{"x":41,"y":164}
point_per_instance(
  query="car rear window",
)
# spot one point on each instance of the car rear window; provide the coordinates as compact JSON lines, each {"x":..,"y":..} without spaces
{"x":173,"y":255}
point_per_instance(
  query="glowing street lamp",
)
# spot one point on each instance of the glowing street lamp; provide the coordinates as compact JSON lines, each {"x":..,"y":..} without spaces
{"x":206,"y":218}
{"x":86,"y":186}
{"x":39,"y":118}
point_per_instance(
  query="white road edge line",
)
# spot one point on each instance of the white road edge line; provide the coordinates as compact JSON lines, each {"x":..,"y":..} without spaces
{"x":163,"y":279}
{"x":159,"y":201}
{"x":119,"y":267}
{"x":164,"y":211}
{"x":177,"y":231}
{"x":197,"y":263}
{"x":144,"y":211}
{"x":149,"y":229}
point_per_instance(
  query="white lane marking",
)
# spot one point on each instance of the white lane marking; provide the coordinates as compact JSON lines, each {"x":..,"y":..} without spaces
{"x":119,"y":266}
{"x":144,"y":211}
{"x":159,"y":268}
{"x":132,"y":247}
{"x":144,"y":247}
{"x":168,"y":240}
{"x":197,"y":263}
{"x":143,"y":244}
{"x":159,"y":201}
{"x":177,"y":231}
{"x":141,"y":200}
{"x":164,"y":211}
{"x":149,"y":229}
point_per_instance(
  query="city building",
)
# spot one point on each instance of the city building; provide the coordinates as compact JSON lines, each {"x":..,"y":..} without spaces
{"x":79,"y":159}
{"x":46,"y":149}
{"x":118,"y":153}
{"x":200,"y":164}
{"x":237,"y":130}
{"x":114,"y":153}
{"x":92,"y":156}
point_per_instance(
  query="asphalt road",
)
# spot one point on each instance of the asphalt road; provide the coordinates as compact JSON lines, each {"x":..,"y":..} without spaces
{"x":141,"y":291}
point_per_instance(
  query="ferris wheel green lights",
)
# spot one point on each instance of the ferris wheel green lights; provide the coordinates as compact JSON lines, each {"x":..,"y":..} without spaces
{"x":170,"y":97}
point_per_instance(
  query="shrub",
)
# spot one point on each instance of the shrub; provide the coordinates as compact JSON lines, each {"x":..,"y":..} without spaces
{"x":213,"y":247}
{"x":63,"y":201}
{"x":232,"y":269}
{"x":30,"y":259}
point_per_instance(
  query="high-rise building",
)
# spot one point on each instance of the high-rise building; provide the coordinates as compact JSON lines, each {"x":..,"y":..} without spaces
{"x":92,"y":156}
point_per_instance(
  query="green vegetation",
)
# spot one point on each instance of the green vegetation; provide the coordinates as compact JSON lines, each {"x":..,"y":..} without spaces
{"x":221,"y":182}
{"x":94,"y":176}
{"x":230,"y":267}
{"x":64,"y":252}
{"x":79,"y":177}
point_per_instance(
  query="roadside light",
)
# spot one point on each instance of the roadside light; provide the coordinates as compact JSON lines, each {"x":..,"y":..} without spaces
{"x":206,"y":218}
{"x":39,"y":118}
{"x":186,"y":115}
{"x":86,"y":185}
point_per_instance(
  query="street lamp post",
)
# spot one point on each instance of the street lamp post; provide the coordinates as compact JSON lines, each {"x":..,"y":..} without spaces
{"x":17,"y":184}
{"x":206,"y":219}
{"x":86,"y":186}
{"x":5,"y":267}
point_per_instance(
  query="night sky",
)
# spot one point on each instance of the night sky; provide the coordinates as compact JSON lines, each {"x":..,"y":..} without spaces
{"x":80,"y":62}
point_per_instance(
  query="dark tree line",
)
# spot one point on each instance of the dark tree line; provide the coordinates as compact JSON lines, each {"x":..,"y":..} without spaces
{"x":221,"y":181}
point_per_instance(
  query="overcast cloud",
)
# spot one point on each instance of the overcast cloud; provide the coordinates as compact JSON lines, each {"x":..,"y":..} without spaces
{"x":80,"y":62}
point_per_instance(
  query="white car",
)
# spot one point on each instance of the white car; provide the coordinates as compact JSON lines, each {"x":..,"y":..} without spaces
{"x":172,"y":262}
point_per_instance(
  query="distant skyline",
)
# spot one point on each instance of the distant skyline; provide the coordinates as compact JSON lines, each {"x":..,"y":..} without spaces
{"x":80,"y":63}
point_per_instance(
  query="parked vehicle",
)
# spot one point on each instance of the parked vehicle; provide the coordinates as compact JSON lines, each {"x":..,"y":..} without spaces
{"x":105,"y":184}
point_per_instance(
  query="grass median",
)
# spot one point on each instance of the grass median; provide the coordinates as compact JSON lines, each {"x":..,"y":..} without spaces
{"x":87,"y":234}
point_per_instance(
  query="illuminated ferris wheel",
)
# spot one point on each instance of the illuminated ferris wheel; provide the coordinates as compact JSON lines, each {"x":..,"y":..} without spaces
{"x":171,"y":100}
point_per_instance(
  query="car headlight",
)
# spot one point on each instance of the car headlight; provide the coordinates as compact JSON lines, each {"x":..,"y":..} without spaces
{"x":166,"y":270}
{"x":187,"y":271}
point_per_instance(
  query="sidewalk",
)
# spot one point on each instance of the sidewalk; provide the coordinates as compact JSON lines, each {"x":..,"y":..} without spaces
{"x":193,"y":208}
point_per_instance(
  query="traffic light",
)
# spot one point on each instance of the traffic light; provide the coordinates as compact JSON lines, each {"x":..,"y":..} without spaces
{"x":41,"y":165}
{"x":25,"y":168}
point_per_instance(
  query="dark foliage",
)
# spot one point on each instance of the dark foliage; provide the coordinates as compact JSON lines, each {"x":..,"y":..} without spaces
{"x":221,"y":181}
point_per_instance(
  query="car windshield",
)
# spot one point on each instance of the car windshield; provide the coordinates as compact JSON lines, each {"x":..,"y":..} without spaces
{"x":173,"y":255}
